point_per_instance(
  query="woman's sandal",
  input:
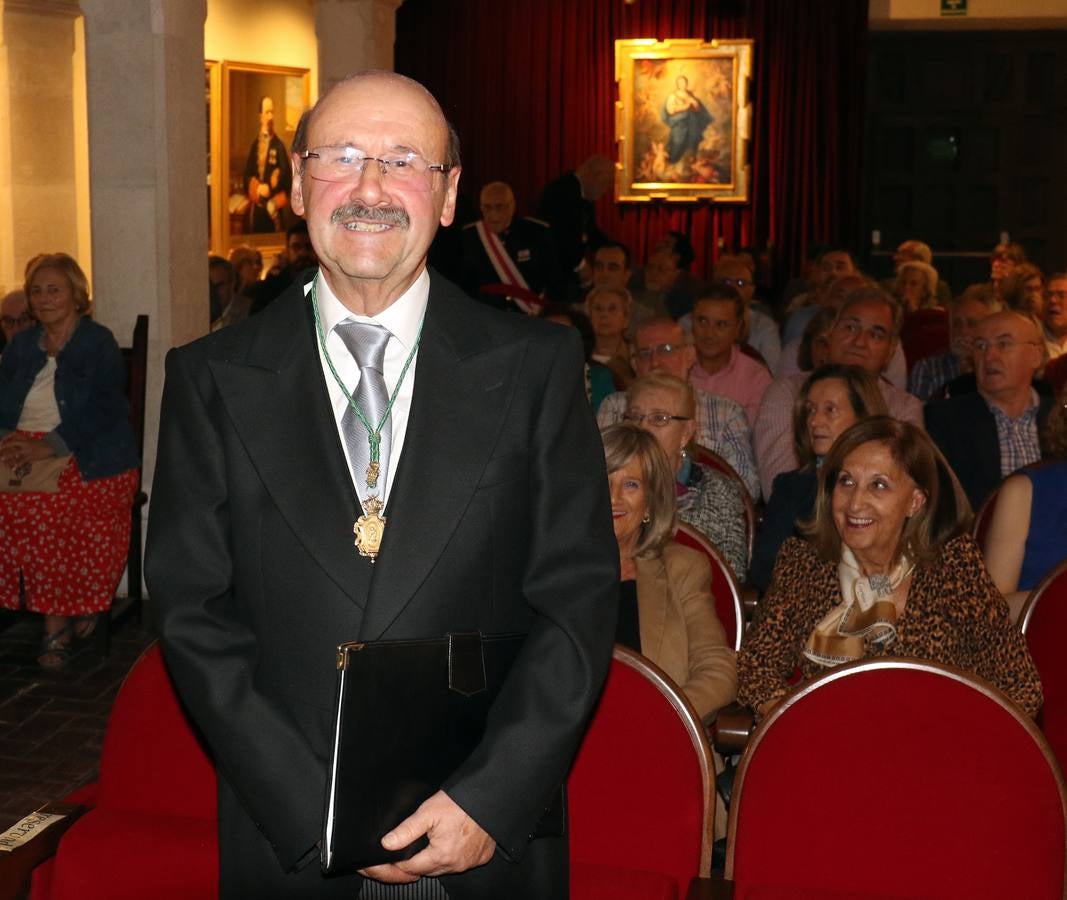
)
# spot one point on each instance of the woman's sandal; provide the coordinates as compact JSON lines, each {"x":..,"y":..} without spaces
{"x":84,"y":626}
{"x":55,"y":649}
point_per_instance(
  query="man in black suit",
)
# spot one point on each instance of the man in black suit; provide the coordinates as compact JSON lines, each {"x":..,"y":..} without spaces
{"x":487,"y":476}
{"x":567,"y":204}
{"x":987,"y":435}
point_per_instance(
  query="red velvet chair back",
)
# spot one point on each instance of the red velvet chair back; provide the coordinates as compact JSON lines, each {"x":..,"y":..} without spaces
{"x":897,"y":778}
{"x":711,"y":458}
{"x":924,"y":333}
{"x":641,"y":789}
{"x":1044,"y":622}
{"x":152,"y":759}
{"x":1056,"y":373}
{"x":723,"y":584}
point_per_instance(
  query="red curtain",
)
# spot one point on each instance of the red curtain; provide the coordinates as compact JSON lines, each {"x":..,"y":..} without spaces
{"x":530,"y":85}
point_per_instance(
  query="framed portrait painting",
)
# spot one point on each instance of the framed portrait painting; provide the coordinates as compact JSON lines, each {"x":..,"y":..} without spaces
{"x":261,"y":107}
{"x":683,"y":120}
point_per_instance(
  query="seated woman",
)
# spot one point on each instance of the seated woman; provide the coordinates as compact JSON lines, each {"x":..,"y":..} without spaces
{"x":890,"y":571}
{"x":1018,"y":558}
{"x":62,"y":397}
{"x":665,"y":407}
{"x":666,"y":610}
{"x":609,"y":314}
{"x":915,"y":285}
{"x":833,"y":398}
{"x":599,"y":381}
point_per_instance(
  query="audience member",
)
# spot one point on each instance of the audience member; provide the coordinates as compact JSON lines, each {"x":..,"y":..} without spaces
{"x":833,"y":263}
{"x":567,"y":205}
{"x":864,"y":334}
{"x":609,"y":313}
{"x":666,"y":286}
{"x":1019,"y":558}
{"x":928,"y":376}
{"x":247,"y":263}
{"x":298,"y":257}
{"x":63,"y":420}
{"x":502,"y":249}
{"x":660,"y":346}
{"x":760,"y":329}
{"x":1055,"y":318}
{"x":1002,"y":262}
{"x":831,"y":400}
{"x":814,"y":348}
{"x":665,"y":407}
{"x":15,"y":316}
{"x":1024,"y":290}
{"x":599,"y":381}
{"x":666,"y":610}
{"x":890,"y":572}
{"x":917,"y":251}
{"x":989,"y":434}
{"x":721,"y":367}
{"x":612,"y":270}
{"x":915,"y":286}
{"x":220,"y":286}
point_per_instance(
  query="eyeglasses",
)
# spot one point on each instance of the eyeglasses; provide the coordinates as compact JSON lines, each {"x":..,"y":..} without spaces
{"x":12,"y":321}
{"x":655,"y":419}
{"x":345,"y":164}
{"x":1002,"y":344}
{"x":736,"y":282}
{"x":646,"y":353}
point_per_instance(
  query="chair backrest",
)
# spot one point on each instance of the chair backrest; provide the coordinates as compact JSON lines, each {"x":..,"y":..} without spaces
{"x":899,"y":778}
{"x":641,"y":790}
{"x":723,"y":584}
{"x":982,"y":518}
{"x":1056,"y":373}
{"x":711,"y":458}
{"x":924,"y":333}
{"x":152,"y":758}
{"x":1044,"y":622}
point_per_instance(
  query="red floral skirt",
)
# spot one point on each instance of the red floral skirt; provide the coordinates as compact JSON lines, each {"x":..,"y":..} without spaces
{"x":70,"y":547}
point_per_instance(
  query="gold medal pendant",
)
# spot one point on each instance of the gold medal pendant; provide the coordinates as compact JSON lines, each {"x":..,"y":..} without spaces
{"x":372,"y":474}
{"x":370,"y":528}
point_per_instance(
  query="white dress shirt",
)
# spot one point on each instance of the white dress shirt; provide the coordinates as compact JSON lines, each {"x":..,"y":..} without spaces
{"x":403,"y":318}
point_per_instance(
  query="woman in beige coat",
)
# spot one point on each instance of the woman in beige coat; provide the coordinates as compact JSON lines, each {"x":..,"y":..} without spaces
{"x":666,"y":610}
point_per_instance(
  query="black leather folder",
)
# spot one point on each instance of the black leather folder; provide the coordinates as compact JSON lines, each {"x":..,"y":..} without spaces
{"x":408,"y":714}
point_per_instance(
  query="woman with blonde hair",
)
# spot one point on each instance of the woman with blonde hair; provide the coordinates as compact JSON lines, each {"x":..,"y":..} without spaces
{"x":68,"y":460}
{"x":666,"y":610}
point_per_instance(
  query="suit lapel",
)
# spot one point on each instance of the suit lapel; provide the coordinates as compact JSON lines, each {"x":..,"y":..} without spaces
{"x":463,"y":384}
{"x":277,"y":399}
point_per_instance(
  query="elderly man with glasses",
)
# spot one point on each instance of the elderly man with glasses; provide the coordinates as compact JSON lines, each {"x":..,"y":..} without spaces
{"x":989,"y":434}
{"x":14,"y":315}
{"x":660,"y":345}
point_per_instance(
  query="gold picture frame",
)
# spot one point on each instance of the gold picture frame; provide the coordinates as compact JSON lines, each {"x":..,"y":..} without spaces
{"x":249,"y":187}
{"x":683,"y":120}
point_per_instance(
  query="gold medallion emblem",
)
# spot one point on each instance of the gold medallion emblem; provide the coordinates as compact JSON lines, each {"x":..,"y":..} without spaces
{"x":370,"y":528}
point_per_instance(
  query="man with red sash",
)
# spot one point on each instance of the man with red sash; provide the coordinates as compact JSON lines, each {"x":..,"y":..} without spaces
{"x":499,"y":249}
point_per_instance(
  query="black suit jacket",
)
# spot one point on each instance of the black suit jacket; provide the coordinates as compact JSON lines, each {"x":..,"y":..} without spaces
{"x":498,"y":521}
{"x":529,"y":244}
{"x":571,"y":217}
{"x":966,"y":432}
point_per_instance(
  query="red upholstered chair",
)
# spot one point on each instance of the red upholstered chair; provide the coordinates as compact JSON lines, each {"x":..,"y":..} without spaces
{"x":151,"y":830}
{"x":924,"y":333}
{"x":711,"y":458}
{"x":1056,"y":373}
{"x":641,"y":791}
{"x":897,"y":778}
{"x":723,"y":585}
{"x":1044,"y":622}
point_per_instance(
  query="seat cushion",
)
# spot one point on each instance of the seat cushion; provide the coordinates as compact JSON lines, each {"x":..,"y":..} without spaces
{"x":115,"y":854}
{"x":590,"y":881}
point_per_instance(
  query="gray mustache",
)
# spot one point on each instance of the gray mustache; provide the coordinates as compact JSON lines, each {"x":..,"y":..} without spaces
{"x":392,"y":215}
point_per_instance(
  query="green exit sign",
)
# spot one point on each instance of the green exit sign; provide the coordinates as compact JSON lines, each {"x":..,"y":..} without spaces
{"x":953,"y":7}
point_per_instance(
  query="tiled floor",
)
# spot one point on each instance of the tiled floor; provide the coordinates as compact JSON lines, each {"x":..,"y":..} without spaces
{"x":52,"y":722}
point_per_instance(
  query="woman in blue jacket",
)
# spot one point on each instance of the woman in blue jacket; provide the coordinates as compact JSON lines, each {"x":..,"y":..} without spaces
{"x":65,"y":433}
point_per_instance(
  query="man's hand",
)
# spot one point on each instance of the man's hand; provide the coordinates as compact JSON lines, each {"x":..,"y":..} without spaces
{"x":457,"y":843}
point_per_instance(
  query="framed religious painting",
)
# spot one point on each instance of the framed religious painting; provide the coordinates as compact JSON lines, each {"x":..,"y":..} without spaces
{"x":683,"y":120}
{"x":261,"y":107}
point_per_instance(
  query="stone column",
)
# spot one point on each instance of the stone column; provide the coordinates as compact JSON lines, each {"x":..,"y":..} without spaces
{"x":354,"y":35}
{"x":147,"y":150}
